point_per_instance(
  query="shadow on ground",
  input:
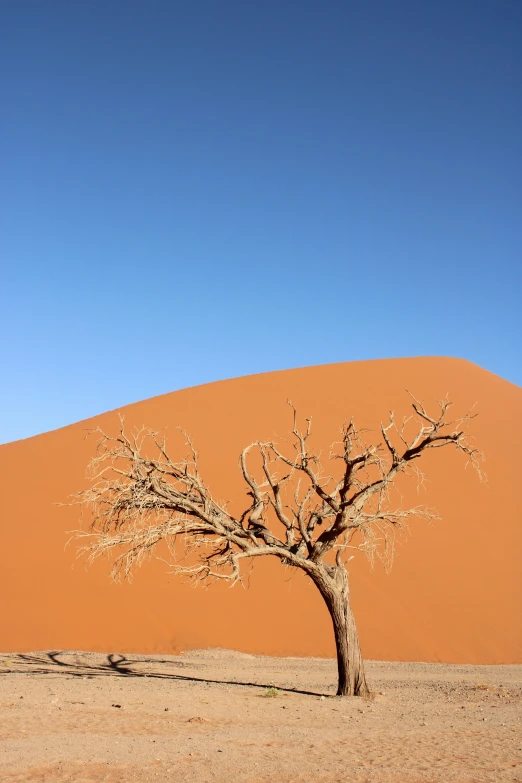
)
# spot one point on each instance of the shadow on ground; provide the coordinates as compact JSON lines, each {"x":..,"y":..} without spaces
{"x":115,"y":665}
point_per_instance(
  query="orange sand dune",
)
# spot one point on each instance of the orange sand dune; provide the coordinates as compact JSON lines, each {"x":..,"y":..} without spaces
{"x":454,"y":594}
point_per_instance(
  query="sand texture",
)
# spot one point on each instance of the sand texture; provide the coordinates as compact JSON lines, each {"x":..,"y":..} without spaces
{"x":454,"y":594}
{"x":92,"y":718}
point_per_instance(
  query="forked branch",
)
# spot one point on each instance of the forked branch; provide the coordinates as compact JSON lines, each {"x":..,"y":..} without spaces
{"x":141,"y":501}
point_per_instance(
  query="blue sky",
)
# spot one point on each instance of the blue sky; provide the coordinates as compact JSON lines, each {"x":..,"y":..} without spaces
{"x":198,"y":190}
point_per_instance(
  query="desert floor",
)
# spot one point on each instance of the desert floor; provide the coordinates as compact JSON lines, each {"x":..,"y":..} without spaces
{"x":210,"y":716}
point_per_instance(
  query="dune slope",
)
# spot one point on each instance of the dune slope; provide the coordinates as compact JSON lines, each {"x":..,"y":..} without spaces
{"x":453,"y":595}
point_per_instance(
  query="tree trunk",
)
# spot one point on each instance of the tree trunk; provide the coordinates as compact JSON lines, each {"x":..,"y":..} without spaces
{"x":350,"y":666}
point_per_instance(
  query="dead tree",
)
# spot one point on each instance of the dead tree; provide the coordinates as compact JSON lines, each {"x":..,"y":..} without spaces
{"x":141,"y":499}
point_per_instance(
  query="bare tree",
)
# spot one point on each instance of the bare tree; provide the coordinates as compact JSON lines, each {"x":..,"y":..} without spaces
{"x":141,"y":499}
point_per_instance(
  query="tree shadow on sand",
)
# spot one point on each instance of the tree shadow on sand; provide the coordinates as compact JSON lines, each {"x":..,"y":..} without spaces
{"x":114,"y":665}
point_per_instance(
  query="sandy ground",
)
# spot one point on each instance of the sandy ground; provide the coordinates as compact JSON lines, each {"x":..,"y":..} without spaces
{"x":209,"y":716}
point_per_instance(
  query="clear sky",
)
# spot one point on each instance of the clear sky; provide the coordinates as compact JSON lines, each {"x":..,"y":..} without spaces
{"x":198,"y":189}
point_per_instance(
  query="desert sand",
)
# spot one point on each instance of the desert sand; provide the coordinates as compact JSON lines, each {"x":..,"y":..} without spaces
{"x":454,"y":594}
{"x":93,"y":718}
